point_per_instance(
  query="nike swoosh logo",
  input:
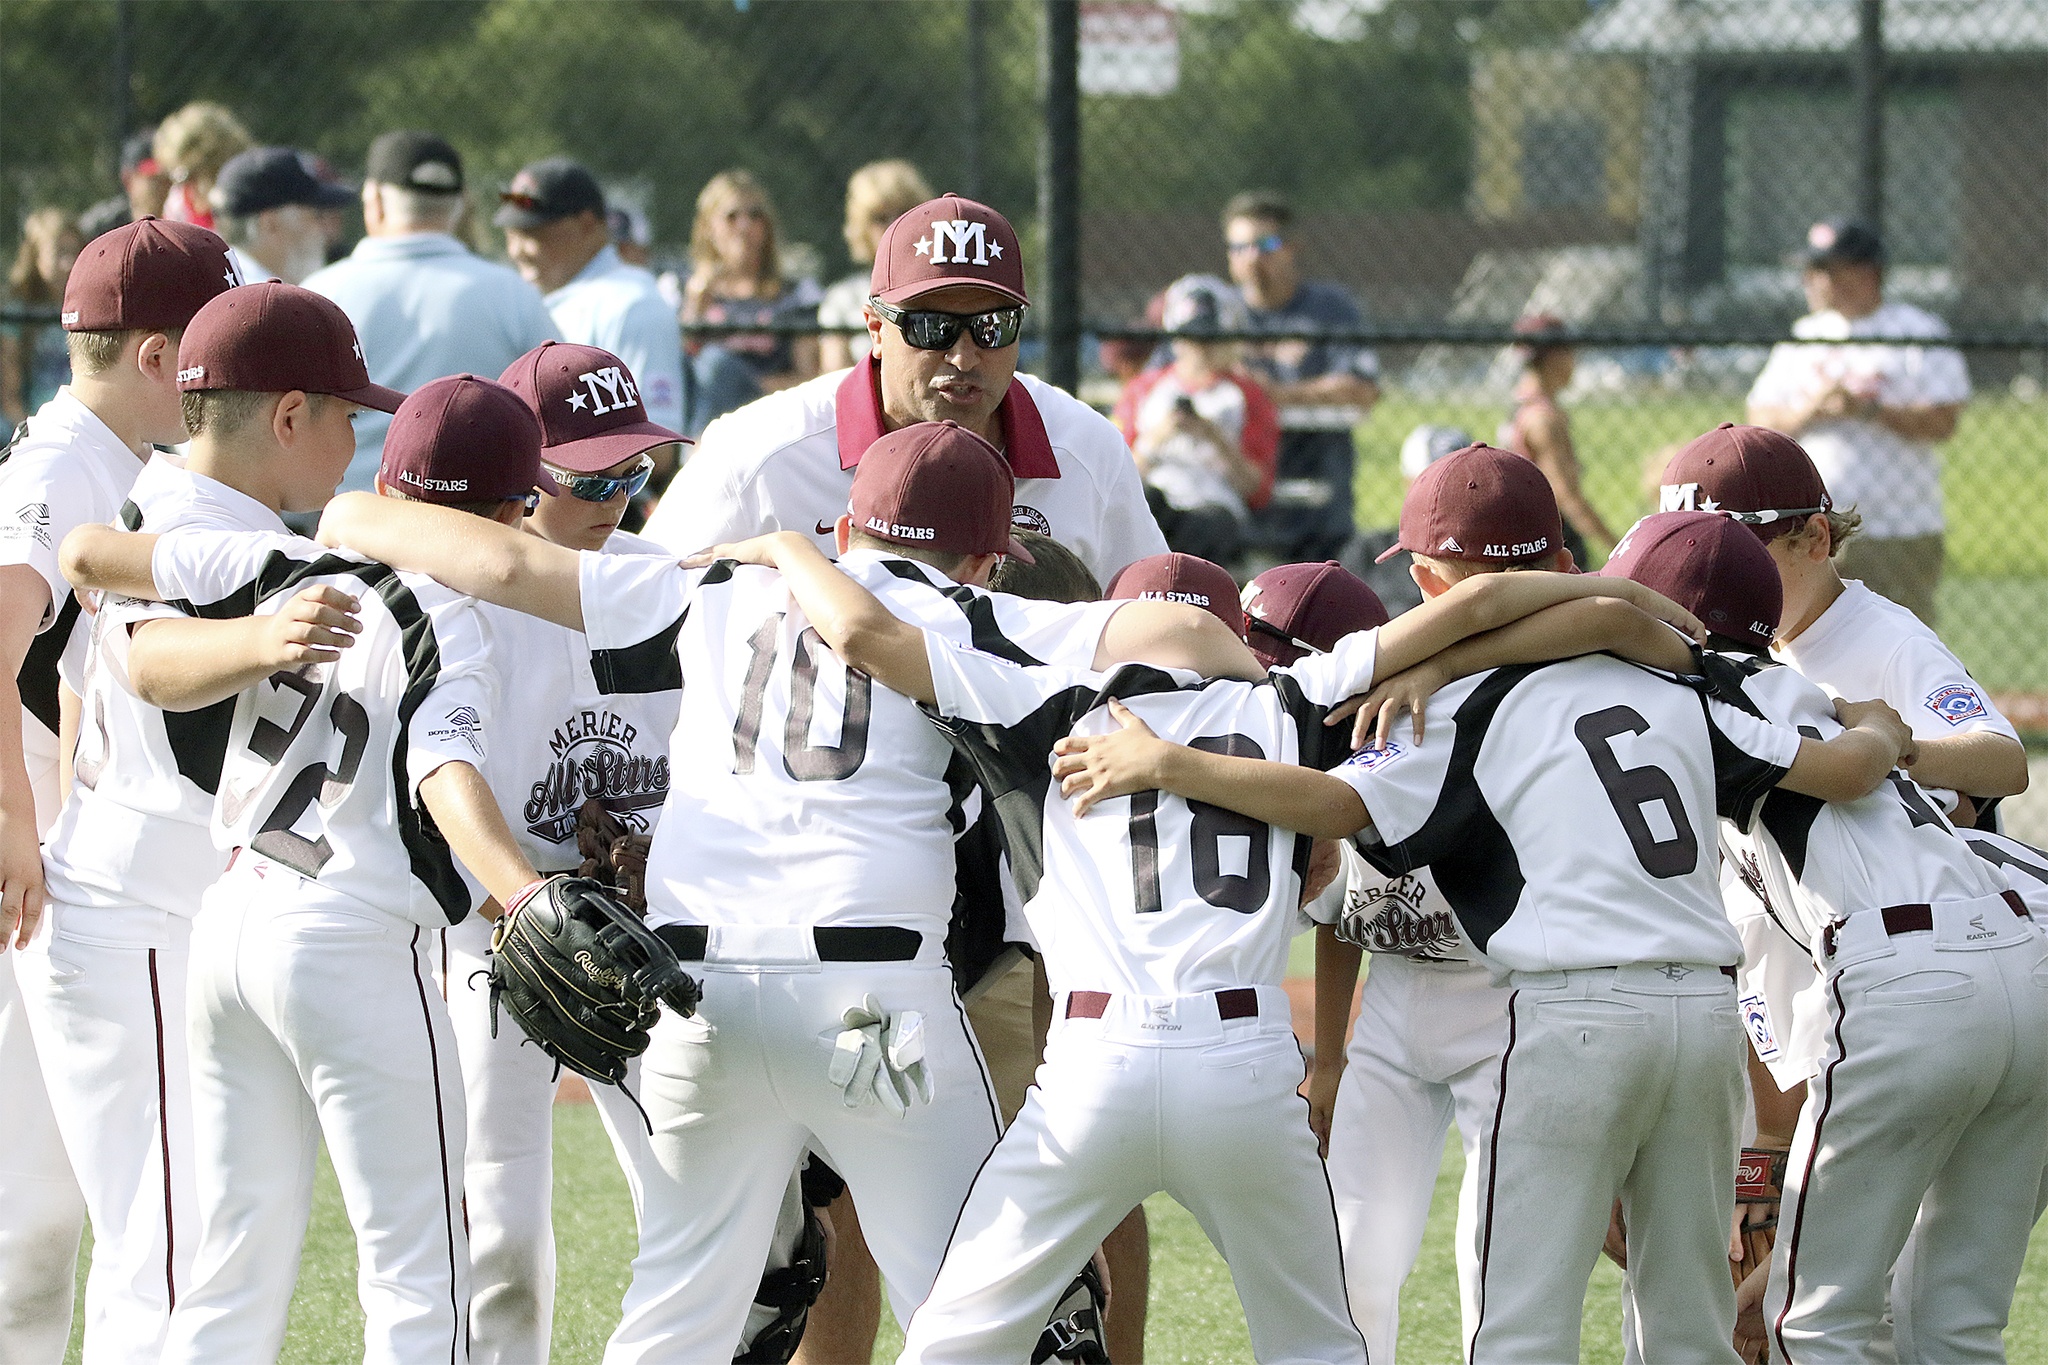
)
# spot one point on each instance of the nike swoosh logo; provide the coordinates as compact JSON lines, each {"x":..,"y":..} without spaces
{"x":824,"y":528}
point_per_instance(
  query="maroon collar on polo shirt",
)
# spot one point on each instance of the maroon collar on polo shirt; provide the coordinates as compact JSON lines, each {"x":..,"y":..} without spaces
{"x":857,"y":416}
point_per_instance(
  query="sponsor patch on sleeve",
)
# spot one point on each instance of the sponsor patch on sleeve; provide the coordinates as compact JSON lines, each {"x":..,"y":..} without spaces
{"x":1370,"y":759}
{"x":1756,"y":1017}
{"x":1956,"y":703}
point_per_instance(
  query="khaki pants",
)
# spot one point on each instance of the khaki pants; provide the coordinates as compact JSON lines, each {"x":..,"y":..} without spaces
{"x":1907,"y":569}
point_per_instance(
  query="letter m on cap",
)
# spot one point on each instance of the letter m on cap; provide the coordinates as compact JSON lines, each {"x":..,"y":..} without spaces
{"x":962,"y":232}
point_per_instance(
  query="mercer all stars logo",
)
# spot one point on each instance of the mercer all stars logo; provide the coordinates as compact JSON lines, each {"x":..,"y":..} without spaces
{"x":962,"y":235}
{"x":605,"y":390}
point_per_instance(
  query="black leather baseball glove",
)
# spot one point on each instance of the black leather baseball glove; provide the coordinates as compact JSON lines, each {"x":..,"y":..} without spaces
{"x":583,"y":976}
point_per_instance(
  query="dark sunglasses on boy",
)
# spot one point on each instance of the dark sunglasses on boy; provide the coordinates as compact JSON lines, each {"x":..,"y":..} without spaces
{"x":603,"y":487}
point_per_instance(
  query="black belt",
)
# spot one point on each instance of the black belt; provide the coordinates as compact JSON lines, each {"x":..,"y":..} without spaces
{"x":835,"y":943}
{"x":1916,"y":917}
{"x":1239,"y":1003}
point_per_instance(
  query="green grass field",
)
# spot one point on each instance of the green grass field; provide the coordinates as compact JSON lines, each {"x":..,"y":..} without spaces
{"x":1195,"y":1317}
{"x":1994,"y":600}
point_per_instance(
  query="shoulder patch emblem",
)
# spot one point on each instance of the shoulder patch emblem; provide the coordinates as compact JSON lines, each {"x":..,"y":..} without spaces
{"x":1370,"y":759}
{"x":1956,"y":703}
{"x":1030,"y":519}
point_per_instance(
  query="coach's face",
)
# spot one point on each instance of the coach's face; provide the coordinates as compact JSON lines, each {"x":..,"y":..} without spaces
{"x":962,"y":383}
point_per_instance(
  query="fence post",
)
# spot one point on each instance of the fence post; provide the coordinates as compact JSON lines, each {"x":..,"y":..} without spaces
{"x":1059,"y":194}
{"x":976,"y":104}
{"x":1868,"y":76}
{"x":122,"y":101}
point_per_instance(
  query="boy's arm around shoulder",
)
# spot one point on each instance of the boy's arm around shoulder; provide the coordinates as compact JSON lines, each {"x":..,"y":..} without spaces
{"x":471,"y":554}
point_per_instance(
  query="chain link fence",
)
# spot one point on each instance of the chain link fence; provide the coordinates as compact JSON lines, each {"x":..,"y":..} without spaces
{"x":1644,"y":172}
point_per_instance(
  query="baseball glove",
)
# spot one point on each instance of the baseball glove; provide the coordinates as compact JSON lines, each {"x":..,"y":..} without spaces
{"x":583,"y":976}
{"x":1759,"y":1183}
{"x":612,"y":854}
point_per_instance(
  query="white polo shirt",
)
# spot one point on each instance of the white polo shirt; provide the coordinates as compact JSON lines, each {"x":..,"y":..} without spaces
{"x":619,"y":307}
{"x":786,"y":462}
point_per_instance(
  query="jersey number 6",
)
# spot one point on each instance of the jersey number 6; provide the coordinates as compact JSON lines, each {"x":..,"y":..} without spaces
{"x":1632,"y":791}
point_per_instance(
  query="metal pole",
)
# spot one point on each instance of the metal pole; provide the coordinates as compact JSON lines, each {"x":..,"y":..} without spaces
{"x":977,"y":98}
{"x":123,"y":75}
{"x":1059,"y":193}
{"x":1869,"y":81}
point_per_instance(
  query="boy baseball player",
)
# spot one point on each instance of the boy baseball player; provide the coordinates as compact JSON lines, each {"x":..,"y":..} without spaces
{"x":85,"y":994}
{"x":804,"y":856}
{"x":1931,"y":1096}
{"x":555,"y":742}
{"x":1164,"y":929}
{"x":1561,"y":818}
{"x":313,"y":1014}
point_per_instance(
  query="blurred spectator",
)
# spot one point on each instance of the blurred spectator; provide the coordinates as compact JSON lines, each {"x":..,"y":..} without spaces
{"x":632,"y":235}
{"x":267,"y":205}
{"x":1204,"y":434}
{"x":736,"y":277}
{"x":1323,"y":389}
{"x":34,"y":363}
{"x":557,"y":233}
{"x":191,"y":146}
{"x":423,"y":305}
{"x":333,"y":215}
{"x":144,"y":184}
{"x":1538,"y":429}
{"x":1391,"y":580}
{"x":1870,"y":416}
{"x":876,"y":195}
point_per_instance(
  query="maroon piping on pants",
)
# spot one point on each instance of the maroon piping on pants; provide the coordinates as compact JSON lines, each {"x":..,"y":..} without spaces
{"x":1806,"y":1174}
{"x":163,"y":1134}
{"x":441,"y":1126}
{"x":1500,"y":1103}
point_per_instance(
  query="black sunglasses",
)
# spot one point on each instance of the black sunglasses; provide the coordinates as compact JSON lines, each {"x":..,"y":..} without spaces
{"x":930,"y":331}
{"x":603,"y":487}
{"x":1262,"y":627}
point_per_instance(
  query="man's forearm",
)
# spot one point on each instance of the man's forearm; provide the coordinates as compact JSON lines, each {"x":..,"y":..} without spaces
{"x":1979,"y":764}
{"x":1279,"y":794}
{"x":1920,"y":421}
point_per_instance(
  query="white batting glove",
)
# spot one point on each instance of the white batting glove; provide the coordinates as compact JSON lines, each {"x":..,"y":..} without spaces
{"x":877,"y":1060}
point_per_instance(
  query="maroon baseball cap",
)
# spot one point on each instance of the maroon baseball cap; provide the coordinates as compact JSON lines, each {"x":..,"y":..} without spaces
{"x":1298,"y":609}
{"x":274,"y":337}
{"x":463,"y":439}
{"x":1481,"y":505}
{"x":1756,"y":476}
{"x":945,"y":242}
{"x":938,"y":485}
{"x":148,"y":276}
{"x":589,"y":407}
{"x":1710,"y":566}
{"x":1181,"y":578}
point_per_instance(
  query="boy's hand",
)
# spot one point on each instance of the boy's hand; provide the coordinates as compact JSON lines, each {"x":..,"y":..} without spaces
{"x":1664,"y":609}
{"x":21,"y":878}
{"x":1409,"y":690}
{"x":313,"y":628}
{"x":1322,"y":1100}
{"x":1093,"y":768}
{"x":1876,"y":715}
{"x":761,"y":550}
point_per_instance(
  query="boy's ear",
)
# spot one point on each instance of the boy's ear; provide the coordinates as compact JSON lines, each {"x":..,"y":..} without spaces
{"x":1427,"y":579}
{"x":288,"y":420}
{"x":156,"y":356}
{"x":1565,"y":563}
{"x":842,"y":531}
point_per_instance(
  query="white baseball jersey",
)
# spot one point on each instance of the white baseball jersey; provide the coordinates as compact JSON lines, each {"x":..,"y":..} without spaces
{"x":64,"y":468}
{"x":2025,"y":866}
{"x":1403,"y":916}
{"x":1866,"y":646}
{"x":1148,"y":894}
{"x":131,"y":843}
{"x":785,"y":463}
{"x":1567,"y":811}
{"x":775,"y":814}
{"x":557,"y":739}
{"x":324,"y":761}
{"x":1812,"y":862}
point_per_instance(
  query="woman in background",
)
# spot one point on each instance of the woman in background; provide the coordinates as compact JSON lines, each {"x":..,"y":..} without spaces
{"x":1538,"y":429}
{"x":191,"y":147}
{"x":736,"y":277}
{"x":876,"y":195}
{"x":34,"y":363}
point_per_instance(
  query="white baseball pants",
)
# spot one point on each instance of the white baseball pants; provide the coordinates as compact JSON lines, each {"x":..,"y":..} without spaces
{"x":1932,"y":1103}
{"x":1616,"y":1082}
{"x":109,"y":1025}
{"x":1425,"y":1050}
{"x":312,"y":1021}
{"x":508,"y":1090}
{"x":739,"y":1091}
{"x":41,"y":1209}
{"x":1213,"y":1120}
